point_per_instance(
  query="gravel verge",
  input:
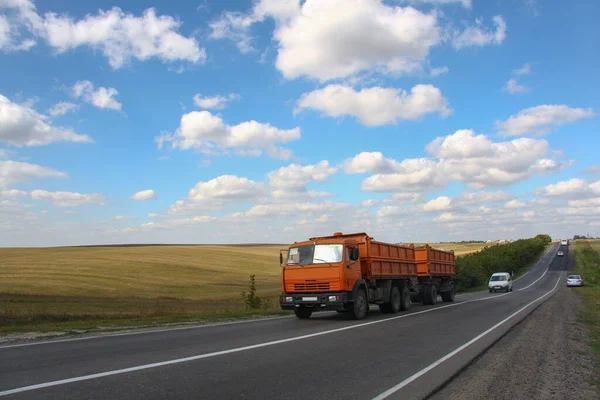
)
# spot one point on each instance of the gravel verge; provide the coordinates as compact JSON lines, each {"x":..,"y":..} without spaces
{"x":547,"y":356}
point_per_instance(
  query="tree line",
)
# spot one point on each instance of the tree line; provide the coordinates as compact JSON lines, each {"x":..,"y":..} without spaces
{"x":474,"y":269}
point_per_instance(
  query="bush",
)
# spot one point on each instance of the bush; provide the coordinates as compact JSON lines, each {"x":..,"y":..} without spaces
{"x":251,"y":300}
{"x":472,"y":270}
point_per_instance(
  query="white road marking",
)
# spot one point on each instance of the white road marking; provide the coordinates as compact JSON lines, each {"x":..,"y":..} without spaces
{"x":229,"y":351}
{"x":536,"y":264}
{"x":422,"y":372}
{"x":144,"y":332}
{"x":533,"y":283}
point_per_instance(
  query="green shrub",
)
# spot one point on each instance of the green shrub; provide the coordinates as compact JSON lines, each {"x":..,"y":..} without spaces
{"x":474,"y":269}
{"x":251,"y":300}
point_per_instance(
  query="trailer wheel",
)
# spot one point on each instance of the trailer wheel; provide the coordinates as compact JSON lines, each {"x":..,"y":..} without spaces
{"x":405,"y":299}
{"x":395,"y":300}
{"x":359,"y":308}
{"x":448,"y":296}
{"x":303,"y":312}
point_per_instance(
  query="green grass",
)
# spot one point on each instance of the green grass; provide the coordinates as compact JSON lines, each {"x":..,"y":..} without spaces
{"x":587,"y":264}
{"x":74,"y":288}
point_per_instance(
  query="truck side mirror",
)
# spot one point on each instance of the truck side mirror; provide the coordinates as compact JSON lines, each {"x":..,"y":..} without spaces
{"x":280,"y":258}
{"x":354,"y":254}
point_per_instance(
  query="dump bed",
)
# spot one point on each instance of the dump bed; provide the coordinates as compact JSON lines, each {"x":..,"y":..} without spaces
{"x":381,"y":260}
{"x":434,"y":262}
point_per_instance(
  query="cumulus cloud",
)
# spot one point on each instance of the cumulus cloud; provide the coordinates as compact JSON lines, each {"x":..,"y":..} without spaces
{"x":62,"y":108}
{"x":513,"y":87}
{"x":20,"y":125}
{"x":148,"y":194}
{"x":214,"y":102}
{"x":463,"y":157}
{"x":574,"y":188}
{"x":292,"y":181}
{"x":376,"y":106}
{"x":119,"y":36}
{"x":465,"y":3}
{"x":12,"y":172}
{"x":479,"y":36}
{"x":441,"y":203}
{"x":209,"y":133}
{"x":313,"y":39}
{"x":69,"y":199}
{"x":515,"y":204}
{"x":100,"y":97}
{"x":541,"y":119}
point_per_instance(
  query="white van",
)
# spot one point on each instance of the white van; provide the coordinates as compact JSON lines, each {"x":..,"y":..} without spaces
{"x":500,"y":281}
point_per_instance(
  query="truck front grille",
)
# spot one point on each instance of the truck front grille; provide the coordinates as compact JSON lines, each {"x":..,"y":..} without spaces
{"x":312,"y":286}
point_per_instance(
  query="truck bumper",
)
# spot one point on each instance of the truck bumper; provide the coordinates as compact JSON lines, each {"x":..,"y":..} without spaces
{"x":317,"y":301}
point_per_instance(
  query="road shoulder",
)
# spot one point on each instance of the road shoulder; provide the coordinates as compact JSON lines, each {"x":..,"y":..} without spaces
{"x":547,"y":356}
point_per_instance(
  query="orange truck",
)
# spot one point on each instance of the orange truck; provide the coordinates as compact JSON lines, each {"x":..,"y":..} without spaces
{"x":347,"y":272}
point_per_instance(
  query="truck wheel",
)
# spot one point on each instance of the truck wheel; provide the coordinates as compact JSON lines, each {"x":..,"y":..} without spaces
{"x":433,"y":295}
{"x":448,"y":296}
{"x":425,"y":295}
{"x":395,"y":300}
{"x":303,"y":312}
{"x":359,"y":308}
{"x":404,"y":299}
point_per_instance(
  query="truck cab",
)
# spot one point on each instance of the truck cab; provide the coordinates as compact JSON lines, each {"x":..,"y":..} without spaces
{"x":319,"y":273}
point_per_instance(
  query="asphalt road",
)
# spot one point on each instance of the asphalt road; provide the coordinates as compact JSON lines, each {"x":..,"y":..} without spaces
{"x":402,"y":356}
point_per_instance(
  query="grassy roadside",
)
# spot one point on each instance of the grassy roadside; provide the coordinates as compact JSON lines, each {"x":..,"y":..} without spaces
{"x":587,"y":264}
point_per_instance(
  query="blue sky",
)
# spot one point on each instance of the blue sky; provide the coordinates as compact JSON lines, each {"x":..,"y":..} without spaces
{"x":273,"y":120}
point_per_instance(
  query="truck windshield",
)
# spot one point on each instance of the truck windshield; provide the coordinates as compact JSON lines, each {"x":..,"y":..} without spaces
{"x":315,"y":254}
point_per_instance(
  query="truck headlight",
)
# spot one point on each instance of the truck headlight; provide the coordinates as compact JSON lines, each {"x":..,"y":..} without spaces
{"x":289,"y":299}
{"x":332,"y":298}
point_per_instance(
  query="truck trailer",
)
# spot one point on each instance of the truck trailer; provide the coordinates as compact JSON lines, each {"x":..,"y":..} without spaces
{"x":347,"y":272}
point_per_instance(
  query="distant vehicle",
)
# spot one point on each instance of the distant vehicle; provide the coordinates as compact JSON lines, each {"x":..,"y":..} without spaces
{"x":500,"y":281}
{"x":560,"y":254}
{"x":574,"y":280}
{"x":564,"y":242}
{"x":347,"y":272}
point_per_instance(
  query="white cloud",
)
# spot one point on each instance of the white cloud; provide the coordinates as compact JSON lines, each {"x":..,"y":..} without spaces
{"x":10,"y":38}
{"x":20,"y":172}
{"x":465,"y":3}
{"x":464,"y":157}
{"x":215,"y":102}
{"x":373,"y":162}
{"x":404,"y":198}
{"x":439,"y":71}
{"x":216,"y":193}
{"x":524,"y":70}
{"x":477,"y":35}
{"x":291,"y":181}
{"x":11,"y":193}
{"x":540,"y":120}
{"x":123,"y":218}
{"x":122,"y":37}
{"x":20,"y":125}
{"x":513,"y":87}
{"x":314,"y":40}
{"x":62,"y":108}
{"x":69,"y":199}
{"x":574,"y":188}
{"x":376,"y":106}
{"x":593,"y":202}
{"x":479,"y":198}
{"x":101,"y":97}
{"x":515,"y":204}
{"x":209,"y":133}
{"x":442,"y":203}
{"x":119,"y":36}
{"x":148,"y":194}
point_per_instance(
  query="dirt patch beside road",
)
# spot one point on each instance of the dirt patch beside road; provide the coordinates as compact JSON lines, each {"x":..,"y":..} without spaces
{"x":547,"y":356}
